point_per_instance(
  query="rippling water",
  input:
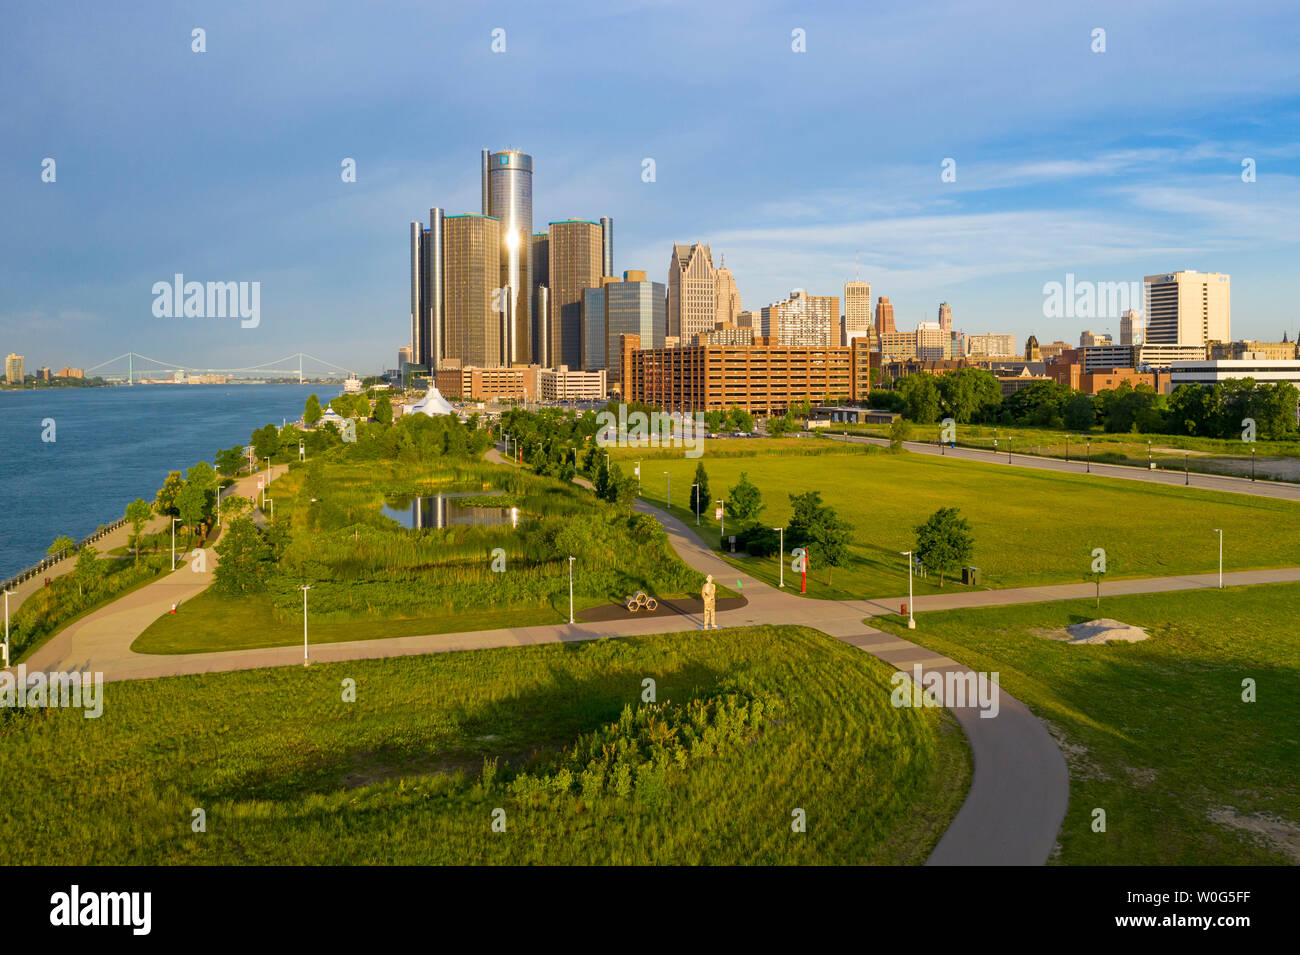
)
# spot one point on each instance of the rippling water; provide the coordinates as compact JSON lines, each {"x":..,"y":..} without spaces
{"x":113,"y":445}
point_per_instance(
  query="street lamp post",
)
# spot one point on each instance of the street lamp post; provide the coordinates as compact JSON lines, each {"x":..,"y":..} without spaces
{"x":911,"y":620}
{"x":1008,"y":449}
{"x":1090,"y":455}
{"x":722,"y":511}
{"x":1067,"y":447}
{"x":780,"y":554}
{"x":1219,"y":531}
{"x":668,"y":490}
{"x":1252,"y":462}
{"x":1148,"y":454}
{"x":304,"y":588}
{"x":174,"y":520}
{"x":1187,"y":469}
{"x":571,"y":589}
{"x":696,"y":489}
{"x":7,"y":593}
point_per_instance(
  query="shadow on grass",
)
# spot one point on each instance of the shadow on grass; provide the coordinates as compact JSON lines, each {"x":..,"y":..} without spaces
{"x":524,"y":731}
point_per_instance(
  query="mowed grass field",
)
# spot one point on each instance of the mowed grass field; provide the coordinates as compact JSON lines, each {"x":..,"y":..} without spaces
{"x":212,"y":622}
{"x":1156,"y":733}
{"x":288,"y":772}
{"x":1030,"y":527}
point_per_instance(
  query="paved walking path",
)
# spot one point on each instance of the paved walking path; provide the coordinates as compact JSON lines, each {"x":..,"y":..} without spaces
{"x":1213,"y":482}
{"x":1020,"y":784}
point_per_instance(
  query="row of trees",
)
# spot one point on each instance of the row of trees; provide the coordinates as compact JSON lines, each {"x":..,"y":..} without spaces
{"x":973,"y":395}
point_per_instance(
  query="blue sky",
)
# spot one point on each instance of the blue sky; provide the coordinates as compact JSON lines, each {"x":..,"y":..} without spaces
{"x":225,"y":165}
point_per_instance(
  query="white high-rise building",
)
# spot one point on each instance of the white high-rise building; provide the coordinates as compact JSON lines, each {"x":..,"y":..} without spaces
{"x":1188,"y":308}
{"x":857,"y":310}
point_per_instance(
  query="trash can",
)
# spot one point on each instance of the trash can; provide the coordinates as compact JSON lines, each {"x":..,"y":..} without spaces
{"x":970,"y":576}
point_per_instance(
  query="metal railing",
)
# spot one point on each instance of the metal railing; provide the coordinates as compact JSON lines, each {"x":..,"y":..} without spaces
{"x":53,"y":559}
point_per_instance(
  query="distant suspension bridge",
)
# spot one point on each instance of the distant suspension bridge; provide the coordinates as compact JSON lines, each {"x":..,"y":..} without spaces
{"x":132,"y":367}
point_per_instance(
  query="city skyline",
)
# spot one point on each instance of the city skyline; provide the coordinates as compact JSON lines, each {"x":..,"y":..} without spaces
{"x":1142,"y":173}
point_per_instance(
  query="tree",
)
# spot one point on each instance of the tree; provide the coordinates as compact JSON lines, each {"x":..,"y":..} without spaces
{"x":944,"y":542}
{"x":230,"y":460}
{"x":87,"y":571}
{"x":899,"y":431}
{"x":1080,"y":412}
{"x":165,"y":502}
{"x":383,"y":409}
{"x":61,"y":544}
{"x":922,"y":397}
{"x":312,"y":412}
{"x":601,"y":482}
{"x":700,"y":492}
{"x":744,"y":501}
{"x":738,"y":419}
{"x":817,"y":526}
{"x":778,"y":426}
{"x":244,"y":557}
{"x":233,"y":505}
{"x":968,"y":394}
{"x":138,"y":513}
{"x":266,"y":441}
{"x":191,"y":505}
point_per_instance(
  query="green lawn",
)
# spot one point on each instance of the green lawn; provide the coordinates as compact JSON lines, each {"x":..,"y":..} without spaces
{"x":1030,"y":527}
{"x":1207,"y":455}
{"x":212,"y":621}
{"x":1156,"y":733}
{"x":289,"y":773}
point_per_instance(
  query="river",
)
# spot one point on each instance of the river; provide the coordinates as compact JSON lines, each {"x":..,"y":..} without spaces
{"x":112,"y":445}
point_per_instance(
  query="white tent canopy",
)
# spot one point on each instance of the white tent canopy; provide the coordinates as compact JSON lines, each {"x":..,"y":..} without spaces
{"x":433,"y":403}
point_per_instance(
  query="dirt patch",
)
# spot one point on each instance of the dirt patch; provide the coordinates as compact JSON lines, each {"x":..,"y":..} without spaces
{"x":1103,"y":630}
{"x":1141,"y":777}
{"x":1077,"y":757}
{"x":1279,"y":834}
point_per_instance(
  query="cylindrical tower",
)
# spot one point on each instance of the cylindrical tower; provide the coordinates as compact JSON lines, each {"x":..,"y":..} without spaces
{"x":510,"y":182}
{"x":542,"y":327}
{"x":433,"y":286}
{"x":418,"y":343}
{"x":607,"y":245}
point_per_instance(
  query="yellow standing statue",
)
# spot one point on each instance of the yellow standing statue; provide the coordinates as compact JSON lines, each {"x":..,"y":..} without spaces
{"x":710,"y":594}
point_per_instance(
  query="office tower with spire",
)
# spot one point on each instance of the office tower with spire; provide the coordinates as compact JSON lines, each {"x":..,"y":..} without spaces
{"x":1130,"y":327}
{"x":692,"y":291}
{"x":727,"y":296}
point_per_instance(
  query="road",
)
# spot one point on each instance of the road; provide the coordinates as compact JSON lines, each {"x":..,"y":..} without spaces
{"x":1211,"y":482}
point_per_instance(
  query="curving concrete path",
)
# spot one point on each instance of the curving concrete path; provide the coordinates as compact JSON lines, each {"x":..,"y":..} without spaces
{"x":1020,"y":786}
